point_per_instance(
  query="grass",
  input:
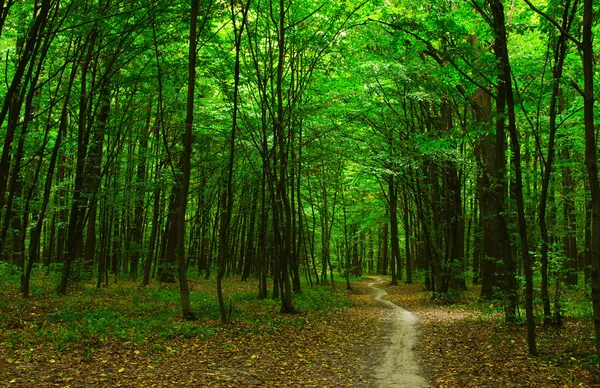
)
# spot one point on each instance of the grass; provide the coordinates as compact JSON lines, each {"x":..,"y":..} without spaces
{"x":124,"y":311}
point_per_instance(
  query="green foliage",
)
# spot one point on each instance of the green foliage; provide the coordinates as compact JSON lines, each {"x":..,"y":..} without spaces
{"x":576,"y":302}
{"x":365,"y":93}
{"x":126,"y":312}
{"x":320,"y":298}
{"x":9,"y":275}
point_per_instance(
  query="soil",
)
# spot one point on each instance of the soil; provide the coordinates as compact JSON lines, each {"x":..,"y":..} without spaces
{"x":399,"y":367}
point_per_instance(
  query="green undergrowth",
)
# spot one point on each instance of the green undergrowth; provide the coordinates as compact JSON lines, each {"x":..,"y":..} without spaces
{"x":575,"y":302}
{"x":124,"y":311}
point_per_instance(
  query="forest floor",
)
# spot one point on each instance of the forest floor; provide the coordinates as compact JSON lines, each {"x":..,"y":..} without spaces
{"x":467,"y":344}
{"x":106,"y":338}
{"x":126,"y":336}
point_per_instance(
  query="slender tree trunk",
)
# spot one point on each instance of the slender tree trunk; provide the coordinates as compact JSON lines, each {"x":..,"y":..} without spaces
{"x":227,"y":181}
{"x":325,"y":241}
{"x":185,"y":163}
{"x":559,"y":57}
{"x":138,"y":229}
{"x":407,"y":241}
{"x":12,"y":99}
{"x":93,"y":171}
{"x":37,"y":230}
{"x":385,"y":247}
{"x":477,"y":243}
{"x":570,"y":238}
{"x":262,"y":239}
{"x":79,"y":201}
{"x":287,"y":305}
{"x":393,"y":205}
{"x":505,"y":79}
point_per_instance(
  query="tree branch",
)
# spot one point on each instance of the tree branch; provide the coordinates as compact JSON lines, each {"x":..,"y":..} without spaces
{"x":554,"y":23}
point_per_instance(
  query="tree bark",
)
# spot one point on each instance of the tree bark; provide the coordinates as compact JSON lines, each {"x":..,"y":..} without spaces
{"x":393,"y":209}
{"x":591,"y":160}
{"x":185,"y":164}
{"x":505,"y":89}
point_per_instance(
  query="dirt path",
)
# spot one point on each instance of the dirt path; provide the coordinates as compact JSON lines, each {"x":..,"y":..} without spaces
{"x":399,"y":367}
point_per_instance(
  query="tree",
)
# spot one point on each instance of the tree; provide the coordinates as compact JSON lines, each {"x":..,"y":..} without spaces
{"x":183,"y":182}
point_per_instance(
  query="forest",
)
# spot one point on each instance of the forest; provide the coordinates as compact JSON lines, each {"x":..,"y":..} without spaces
{"x":226,"y":181}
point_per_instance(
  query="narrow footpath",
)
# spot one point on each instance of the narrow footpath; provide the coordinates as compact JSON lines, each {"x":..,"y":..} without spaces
{"x":399,"y":367}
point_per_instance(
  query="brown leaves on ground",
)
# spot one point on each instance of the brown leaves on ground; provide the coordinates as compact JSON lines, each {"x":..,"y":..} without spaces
{"x":333,"y":348}
{"x":461,"y":347}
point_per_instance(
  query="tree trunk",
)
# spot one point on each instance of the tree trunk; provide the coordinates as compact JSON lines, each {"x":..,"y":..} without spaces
{"x":227,"y":180}
{"x":393,"y":209}
{"x":287,"y":305}
{"x":185,"y":164}
{"x":591,"y":159}
{"x":79,"y":201}
{"x":505,"y":89}
{"x":407,"y":241}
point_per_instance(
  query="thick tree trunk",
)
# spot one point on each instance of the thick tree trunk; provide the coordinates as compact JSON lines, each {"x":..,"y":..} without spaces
{"x":453,"y":267}
{"x":491,"y":254}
